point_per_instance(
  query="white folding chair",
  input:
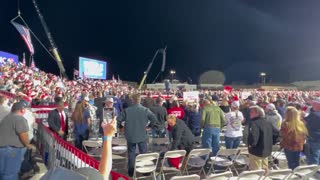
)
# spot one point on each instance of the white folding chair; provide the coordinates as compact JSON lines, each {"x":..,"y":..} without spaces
{"x":195,"y":160}
{"x":95,"y":146}
{"x":254,"y":175}
{"x":242,"y":160}
{"x":119,"y":141}
{"x":119,"y":146}
{"x":166,"y":169}
{"x":189,"y":177}
{"x":220,"y":176}
{"x":146,"y":163}
{"x":304,"y":172}
{"x":278,"y":174}
{"x":224,"y":158}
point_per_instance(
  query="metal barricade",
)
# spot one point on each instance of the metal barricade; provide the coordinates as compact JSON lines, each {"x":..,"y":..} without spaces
{"x":54,"y":150}
{"x":57,"y":152}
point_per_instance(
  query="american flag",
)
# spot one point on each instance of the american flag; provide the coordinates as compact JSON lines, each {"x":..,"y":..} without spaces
{"x":25,"y":34}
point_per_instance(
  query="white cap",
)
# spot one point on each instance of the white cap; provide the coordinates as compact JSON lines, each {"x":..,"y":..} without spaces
{"x":109,"y":99}
{"x":86,"y":98}
{"x":235,"y":104}
{"x":271,"y":106}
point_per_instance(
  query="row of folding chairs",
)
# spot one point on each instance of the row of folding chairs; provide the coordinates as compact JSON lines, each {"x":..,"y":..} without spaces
{"x":299,"y":173}
{"x":147,"y":163}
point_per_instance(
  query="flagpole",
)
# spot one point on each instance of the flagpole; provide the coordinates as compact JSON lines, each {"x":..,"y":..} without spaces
{"x":30,"y":60}
{"x":24,"y":59}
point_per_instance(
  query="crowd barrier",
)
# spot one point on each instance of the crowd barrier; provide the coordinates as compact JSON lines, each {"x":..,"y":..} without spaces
{"x":57,"y":152}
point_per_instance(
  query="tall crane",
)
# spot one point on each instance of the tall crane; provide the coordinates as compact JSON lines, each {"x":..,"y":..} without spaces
{"x":163,"y":51}
{"x":55,"y":51}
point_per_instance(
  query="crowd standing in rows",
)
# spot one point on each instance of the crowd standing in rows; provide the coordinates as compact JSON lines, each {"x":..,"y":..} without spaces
{"x":291,"y":117}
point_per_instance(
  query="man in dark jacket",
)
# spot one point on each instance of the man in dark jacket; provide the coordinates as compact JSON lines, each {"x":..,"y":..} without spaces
{"x":181,"y":134}
{"x":58,"y":119}
{"x":136,"y":118}
{"x":161,"y":114}
{"x":259,"y":139}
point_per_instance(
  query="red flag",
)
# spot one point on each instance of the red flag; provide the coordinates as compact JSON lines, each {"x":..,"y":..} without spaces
{"x":227,"y":89}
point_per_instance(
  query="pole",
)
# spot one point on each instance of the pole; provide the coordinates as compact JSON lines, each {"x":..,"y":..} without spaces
{"x":148,"y":69}
{"x":52,"y":43}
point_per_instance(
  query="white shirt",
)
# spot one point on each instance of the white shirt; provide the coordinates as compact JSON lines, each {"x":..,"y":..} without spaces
{"x":64,"y":117}
{"x":29,"y":116}
{"x":234,"y":126}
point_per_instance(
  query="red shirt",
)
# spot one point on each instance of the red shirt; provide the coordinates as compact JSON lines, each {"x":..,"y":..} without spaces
{"x":177,"y":111}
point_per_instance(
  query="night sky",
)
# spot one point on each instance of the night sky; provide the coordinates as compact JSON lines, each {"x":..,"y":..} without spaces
{"x":238,"y":37}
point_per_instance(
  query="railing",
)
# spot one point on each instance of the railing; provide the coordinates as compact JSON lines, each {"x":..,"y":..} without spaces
{"x":57,"y":152}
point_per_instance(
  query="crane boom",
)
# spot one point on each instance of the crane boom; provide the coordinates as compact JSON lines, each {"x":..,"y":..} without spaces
{"x":55,"y":51}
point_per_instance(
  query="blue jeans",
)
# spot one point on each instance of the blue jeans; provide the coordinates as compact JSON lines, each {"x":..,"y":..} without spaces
{"x":211,"y":138}
{"x":314,"y":156}
{"x":196,"y":131}
{"x":132,"y":154}
{"x":232,"y":142}
{"x":79,"y":138}
{"x":10,"y":162}
{"x":293,"y":158}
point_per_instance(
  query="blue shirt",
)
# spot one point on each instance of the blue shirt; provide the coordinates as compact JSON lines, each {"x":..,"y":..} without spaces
{"x":81,"y":128}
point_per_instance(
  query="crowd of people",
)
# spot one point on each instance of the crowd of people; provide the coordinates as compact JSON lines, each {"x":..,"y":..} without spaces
{"x":259,"y":119}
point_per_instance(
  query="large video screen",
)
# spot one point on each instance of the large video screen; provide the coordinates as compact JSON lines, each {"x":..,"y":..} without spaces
{"x":8,"y":57}
{"x":92,"y":68}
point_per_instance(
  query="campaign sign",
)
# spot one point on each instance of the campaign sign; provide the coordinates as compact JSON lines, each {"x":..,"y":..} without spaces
{"x":191,"y":96}
{"x":8,"y":57}
{"x":92,"y":68}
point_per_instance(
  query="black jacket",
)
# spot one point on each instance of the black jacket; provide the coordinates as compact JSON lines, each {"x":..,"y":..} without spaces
{"x":260,"y":137}
{"x":182,"y":135}
{"x":161,"y":114}
{"x":55,"y":121}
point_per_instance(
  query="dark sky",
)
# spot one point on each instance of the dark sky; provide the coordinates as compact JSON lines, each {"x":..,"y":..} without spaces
{"x":238,"y":37}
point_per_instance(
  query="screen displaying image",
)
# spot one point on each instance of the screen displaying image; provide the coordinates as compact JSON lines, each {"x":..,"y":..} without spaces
{"x":92,"y":68}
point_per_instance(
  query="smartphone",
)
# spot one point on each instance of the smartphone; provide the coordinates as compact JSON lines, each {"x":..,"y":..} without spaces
{"x":108,"y":115}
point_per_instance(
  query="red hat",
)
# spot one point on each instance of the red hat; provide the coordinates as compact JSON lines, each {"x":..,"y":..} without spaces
{"x":59,"y":94}
{"x":235,"y":98}
{"x":44,"y":96}
{"x":27,"y":98}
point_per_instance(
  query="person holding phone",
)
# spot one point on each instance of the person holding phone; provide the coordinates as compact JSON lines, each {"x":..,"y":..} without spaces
{"x":107,"y":112}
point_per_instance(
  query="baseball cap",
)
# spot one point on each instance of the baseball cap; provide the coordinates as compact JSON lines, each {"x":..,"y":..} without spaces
{"x":250,"y":98}
{"x":86,"y":98}
{"x":235,"y":104}
{"x":271,"y":106}
{"x":19,"y":105}
{"x":109,"y":99}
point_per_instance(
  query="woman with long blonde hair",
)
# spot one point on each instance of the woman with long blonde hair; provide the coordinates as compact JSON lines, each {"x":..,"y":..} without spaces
{"x":81,"y":120}
{"x":293,"y":133}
